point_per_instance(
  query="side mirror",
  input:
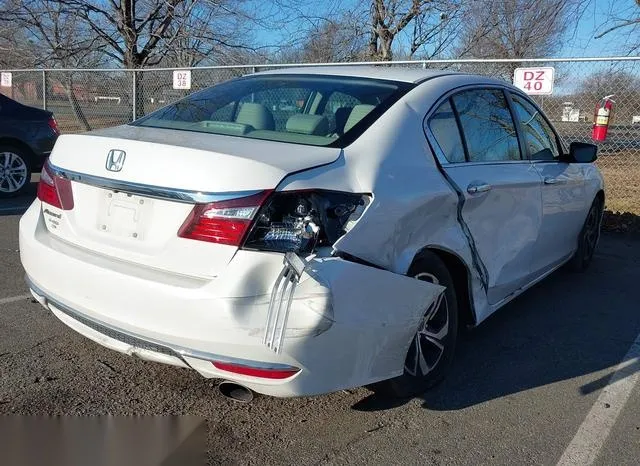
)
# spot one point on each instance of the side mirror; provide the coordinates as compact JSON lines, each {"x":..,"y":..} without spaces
{"x":582,"y":152}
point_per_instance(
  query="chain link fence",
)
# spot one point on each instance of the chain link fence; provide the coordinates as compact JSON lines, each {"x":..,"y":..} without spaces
{"x":83,"y":100}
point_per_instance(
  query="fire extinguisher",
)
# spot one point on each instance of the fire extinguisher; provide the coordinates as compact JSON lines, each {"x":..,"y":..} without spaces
{"x":601,"y":118}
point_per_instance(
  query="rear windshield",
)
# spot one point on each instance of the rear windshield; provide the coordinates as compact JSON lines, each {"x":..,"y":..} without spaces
{"x":302,"y":109}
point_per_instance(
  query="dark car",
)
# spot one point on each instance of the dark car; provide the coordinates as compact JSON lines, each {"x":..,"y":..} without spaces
{"x":27,"y":135}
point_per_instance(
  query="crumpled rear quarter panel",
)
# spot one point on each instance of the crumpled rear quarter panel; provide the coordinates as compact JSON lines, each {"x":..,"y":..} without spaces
{"x":375,"y":314}
{"x":413,"y":205}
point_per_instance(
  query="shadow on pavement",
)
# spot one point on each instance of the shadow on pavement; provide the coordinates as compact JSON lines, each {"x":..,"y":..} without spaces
{"x":621,"y":222}
{"x":18,"y":205}
{"x":625,"y":371}
{"x":567,"y":326}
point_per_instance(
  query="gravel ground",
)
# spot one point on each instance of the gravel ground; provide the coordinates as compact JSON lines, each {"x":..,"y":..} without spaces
{"x":521,"y":385}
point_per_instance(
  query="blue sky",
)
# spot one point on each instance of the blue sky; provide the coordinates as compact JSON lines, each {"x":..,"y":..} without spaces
{"x":578,"y":42}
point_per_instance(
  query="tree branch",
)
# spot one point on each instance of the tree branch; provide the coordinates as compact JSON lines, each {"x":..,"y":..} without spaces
{"x":618,"y":26}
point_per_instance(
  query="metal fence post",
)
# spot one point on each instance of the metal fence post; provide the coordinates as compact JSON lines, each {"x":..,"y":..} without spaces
{"x":44,"y":89}
{"x":134,"y":96}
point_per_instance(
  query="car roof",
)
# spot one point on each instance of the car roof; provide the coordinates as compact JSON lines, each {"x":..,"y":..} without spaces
{"x":395,"y":73}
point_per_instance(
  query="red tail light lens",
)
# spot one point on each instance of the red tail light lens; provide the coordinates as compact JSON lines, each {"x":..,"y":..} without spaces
{"x":224,"y":222}
{"x":54,"y":190}
{"x":264,"y":373}
{"x":53,"y":124}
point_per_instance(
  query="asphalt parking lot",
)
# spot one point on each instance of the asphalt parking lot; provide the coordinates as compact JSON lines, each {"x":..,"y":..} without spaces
{"x":538,"y":383}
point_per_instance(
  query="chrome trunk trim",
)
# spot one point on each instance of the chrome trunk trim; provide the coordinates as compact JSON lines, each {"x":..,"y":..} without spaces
{"x":156,"y":192}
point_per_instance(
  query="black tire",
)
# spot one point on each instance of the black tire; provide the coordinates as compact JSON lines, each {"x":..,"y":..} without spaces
{"x":414,"y":381}
{"x":13,"y":184}
{"x":588,"y":239}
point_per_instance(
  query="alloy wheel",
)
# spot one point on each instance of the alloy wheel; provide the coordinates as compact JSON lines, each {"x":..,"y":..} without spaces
{"x":13,"y":172}
{"x":427,"y":347}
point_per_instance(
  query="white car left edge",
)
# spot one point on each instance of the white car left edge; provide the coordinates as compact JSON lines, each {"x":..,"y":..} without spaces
{"x":301,"y":231}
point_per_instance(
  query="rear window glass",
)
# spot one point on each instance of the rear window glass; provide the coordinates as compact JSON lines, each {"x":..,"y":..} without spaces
{"x":303,"y":109}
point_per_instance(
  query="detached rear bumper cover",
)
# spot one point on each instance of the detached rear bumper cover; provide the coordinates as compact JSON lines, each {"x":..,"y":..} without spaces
{"x":133,"y":344}
{"x":349,"y":324}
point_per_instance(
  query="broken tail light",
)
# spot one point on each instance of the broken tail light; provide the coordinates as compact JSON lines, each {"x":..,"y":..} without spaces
{"x":287,"y":221}
{"x":301,"y":221}
{"x":54,"y":190}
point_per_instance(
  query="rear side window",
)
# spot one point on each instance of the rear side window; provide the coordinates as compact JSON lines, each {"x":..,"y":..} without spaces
{"x":487,"y":126}
{"x":539,"y":137}
{"x":444,"y":128}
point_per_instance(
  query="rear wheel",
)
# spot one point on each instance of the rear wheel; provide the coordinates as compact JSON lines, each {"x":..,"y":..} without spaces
{"x":15,"y":171}
{"x":589,"y":236}
{"x":432,"y":348}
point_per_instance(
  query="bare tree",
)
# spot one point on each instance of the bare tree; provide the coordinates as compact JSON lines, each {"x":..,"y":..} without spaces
{"x":391,"y":18}
{"x":141,"y":33}
{"x":340,"y":39}
{"x":337,"y":41}
{"x":16,"y":50}
{"x":132,"y":33}
{"x":514,"y":29}
{"x":627,"y":20}
{"x":57,"y":39}
{"x":437,"y":26}
{"x":213,"y":35}
{"x":336,"y":30}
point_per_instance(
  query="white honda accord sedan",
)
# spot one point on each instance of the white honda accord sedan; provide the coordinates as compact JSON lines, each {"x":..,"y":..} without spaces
{"x":302,"y":231}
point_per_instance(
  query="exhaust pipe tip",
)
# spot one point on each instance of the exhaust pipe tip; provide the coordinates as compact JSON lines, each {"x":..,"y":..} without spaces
{"x":235,"y":391}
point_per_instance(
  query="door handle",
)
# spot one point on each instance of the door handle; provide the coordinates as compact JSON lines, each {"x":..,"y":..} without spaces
{"x":551,"y":180}
{"x":478,"y":188}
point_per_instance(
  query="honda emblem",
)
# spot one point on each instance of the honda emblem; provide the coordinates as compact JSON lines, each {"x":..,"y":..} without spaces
{"x":115,"y":160}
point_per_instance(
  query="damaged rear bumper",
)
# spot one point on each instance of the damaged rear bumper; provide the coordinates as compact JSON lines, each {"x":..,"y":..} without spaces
{"x":346,"y":325}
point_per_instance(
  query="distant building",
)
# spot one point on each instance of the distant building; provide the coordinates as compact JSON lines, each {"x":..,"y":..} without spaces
{"x":81,"y":92}
{"x":570,"y":113}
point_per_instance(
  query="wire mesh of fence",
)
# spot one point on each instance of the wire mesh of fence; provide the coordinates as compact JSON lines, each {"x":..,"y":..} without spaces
{"x":83,"y":100}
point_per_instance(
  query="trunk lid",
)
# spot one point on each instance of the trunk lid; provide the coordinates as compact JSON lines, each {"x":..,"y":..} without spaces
{"x":188,"y":160}
{"x":134,"y":214}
